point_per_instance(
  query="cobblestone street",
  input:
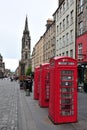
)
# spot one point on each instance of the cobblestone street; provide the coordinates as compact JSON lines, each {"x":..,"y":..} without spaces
{"x":8,"y":105}
{"x":21,"y":112}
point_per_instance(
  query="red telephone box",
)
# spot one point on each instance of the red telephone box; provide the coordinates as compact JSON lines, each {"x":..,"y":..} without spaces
{"x":44,"y":85}
{"x":36,"y":82}
{"x":63,"y":90}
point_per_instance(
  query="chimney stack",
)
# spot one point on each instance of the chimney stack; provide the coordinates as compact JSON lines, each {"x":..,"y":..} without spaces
{"x":49,"y":22}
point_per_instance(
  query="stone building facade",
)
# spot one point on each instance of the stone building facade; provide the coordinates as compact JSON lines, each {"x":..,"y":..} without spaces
{"x":37,"y":54}
{"x":65,"y":19}
{"x":2,"y":67}
{"x":59,"y":38}
{"x":81,"y":17}
{"x":81,"y":42}
{"x":25,"y":61}
{"x":44,"y":49}
{"x":49,"y":41}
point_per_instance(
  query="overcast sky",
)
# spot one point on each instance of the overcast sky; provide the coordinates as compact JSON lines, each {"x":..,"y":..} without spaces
{"x":12,"y":22}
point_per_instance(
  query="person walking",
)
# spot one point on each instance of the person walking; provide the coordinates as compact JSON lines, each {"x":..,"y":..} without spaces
{"x":28,"y":84}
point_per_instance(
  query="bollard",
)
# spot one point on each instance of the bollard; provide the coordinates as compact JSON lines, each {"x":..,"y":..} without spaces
{"x":27,"y":92}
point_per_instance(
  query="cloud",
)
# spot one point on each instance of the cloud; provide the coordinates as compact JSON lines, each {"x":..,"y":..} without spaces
{"x":11,"y":64}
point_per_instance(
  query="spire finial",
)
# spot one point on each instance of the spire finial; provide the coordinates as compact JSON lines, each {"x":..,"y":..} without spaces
{"x":26,"y":24}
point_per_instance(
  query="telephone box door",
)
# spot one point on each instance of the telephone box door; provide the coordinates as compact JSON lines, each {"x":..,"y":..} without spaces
{"x":36,"y":83}
{"x":44,"y":85}
{"x":68,"y":96}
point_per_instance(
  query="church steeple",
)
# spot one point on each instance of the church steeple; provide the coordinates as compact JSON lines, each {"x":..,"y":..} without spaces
{"x":26,"y":26}
{"x":26,"y":42}
{"x":26,"y":49}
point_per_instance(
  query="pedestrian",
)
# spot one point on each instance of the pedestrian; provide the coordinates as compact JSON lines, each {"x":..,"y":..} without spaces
{"x":11,"y":79}
{"x":28,"y":84}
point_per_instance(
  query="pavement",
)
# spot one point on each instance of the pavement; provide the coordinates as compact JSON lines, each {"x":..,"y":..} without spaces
{"x":8,"y":105}
{"x":21,"y":112}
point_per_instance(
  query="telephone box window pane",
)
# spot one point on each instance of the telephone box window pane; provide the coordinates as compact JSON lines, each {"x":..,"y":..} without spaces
{"x":67,"y":77}
{"x":66,"y":83}
{"x":47,"y":86}
{"x":66,"y":101}
{"x":66,"y":72}
{"x":66,"y":95}
{"x":38,"y":84}
{"x":67,"y":107}
{"x":64,"y":107}
{"x":67,"y":113}
{"x":67,"y":89}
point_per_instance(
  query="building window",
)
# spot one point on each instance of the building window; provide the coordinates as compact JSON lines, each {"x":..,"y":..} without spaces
{"x":23,"y":56}
{"x":57,"y":16}
{"x":63,"y":7}
{"x":60,"y":27}
{"x":63,"y":54}
{"x":57,"y":29}
{"x":67,"y":4}
{"x":66,"y":53}
{"x":60,"y":42}
{"x":60,"y":10}
{"x":53,"y":52}
{"x":71,"y":53}
{"x":64,"y":41}
{"x":71,"y":36}
{"x":26,"y":55}
{"x":26,"y":43}
{"x":80,"y":51}
{"x":67,"y":20}
{"x":71,"y":16}
{"x":81,"y":6}
{"x":57,"y":45}
{"x":80,"y":28}
{"x":54,"y":40}
{"x":63,"y":24}
{"x":67,"y":38}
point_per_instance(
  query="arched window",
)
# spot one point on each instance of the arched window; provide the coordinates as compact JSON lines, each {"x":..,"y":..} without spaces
{"x":26,"y":55}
